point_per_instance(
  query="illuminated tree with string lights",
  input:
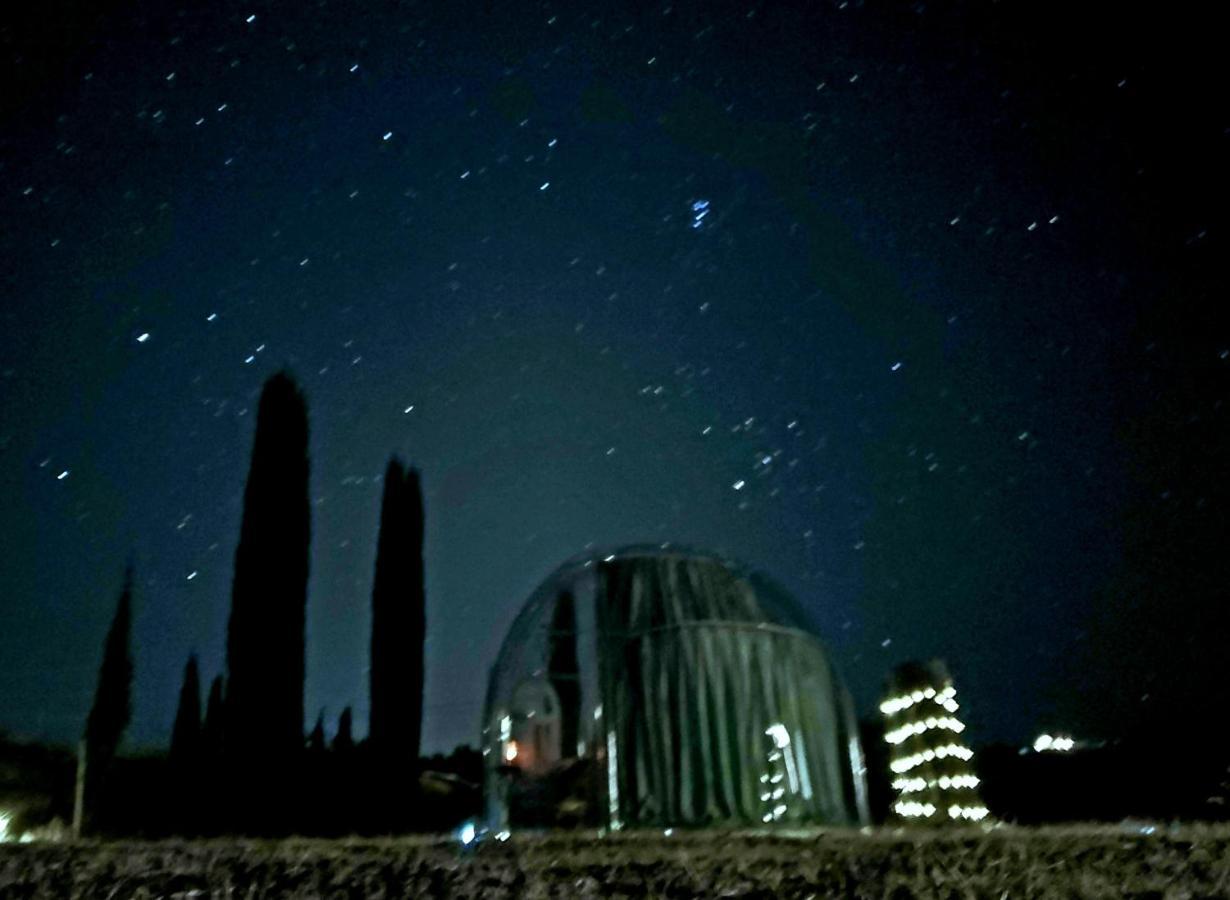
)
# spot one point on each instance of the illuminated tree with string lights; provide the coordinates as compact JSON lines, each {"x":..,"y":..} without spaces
{"x":930,"y":766}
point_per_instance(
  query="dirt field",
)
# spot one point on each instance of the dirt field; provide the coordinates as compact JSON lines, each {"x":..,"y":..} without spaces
{"x":1103,"y":861}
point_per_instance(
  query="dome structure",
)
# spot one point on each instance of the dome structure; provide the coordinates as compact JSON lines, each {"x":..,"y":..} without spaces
{"x":654,"y":686}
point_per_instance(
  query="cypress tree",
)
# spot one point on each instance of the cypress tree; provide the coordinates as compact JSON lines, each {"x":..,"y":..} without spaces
{"x":112,"y":708}
{"x":316,"y":739}
{"x":563,"y":670}
{"x":265,"y":634}
{"x":211,"y":729}
{"x":186,"y":734}
{"x":215,"y":801}
{"x":343,"y":741}
{"x":398,"y":620}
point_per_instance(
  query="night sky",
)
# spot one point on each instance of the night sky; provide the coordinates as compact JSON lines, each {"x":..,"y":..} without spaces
{"x":914,"y":306}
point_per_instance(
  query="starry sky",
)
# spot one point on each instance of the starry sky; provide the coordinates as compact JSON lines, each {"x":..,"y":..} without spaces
{"x":913,"y":306}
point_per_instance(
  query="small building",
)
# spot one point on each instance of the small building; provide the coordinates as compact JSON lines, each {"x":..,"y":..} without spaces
{"x":661,"y":687}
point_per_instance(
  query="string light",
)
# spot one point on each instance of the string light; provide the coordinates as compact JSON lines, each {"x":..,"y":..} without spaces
{"x":943,"y":697}
{"x":944,"y":783}
{"x":912,"y":728}
{"x":914,"y":760}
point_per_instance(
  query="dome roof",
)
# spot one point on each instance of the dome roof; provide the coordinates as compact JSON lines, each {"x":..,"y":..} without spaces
{"x":722,"y":589}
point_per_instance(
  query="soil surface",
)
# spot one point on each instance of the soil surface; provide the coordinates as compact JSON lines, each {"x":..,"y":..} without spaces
{"x":1128,"y":861}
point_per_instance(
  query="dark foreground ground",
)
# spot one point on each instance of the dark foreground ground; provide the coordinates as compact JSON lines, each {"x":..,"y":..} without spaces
{"x":1101,"y":861}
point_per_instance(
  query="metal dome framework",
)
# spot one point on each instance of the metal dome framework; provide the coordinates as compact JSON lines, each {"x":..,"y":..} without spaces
{"x":658,"y":686}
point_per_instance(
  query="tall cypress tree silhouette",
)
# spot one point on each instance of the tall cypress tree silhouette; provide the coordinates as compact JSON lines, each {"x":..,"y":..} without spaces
{"x":265,"y":635}
{"x":186,"y":733}
{"x":343,"y":741}
{"x":316,"y":738}
{"x":398,"y":620}
{"x":211,"y":728}
{"x":112,"y":706}
{"x":563,"y":671}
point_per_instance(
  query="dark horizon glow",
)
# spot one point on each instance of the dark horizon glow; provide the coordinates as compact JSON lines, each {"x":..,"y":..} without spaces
{"x":912,"y":308}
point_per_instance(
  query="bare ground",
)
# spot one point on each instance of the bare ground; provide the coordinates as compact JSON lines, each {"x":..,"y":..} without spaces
{"x":1073,"y":861}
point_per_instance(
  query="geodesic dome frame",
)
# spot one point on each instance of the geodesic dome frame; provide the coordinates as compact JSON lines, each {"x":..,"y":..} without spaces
{"x":652,"y":686}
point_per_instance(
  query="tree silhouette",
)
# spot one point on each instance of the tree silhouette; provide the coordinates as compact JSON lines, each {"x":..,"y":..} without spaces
{"x":316,"y":739}
{"x":563,"y":671}
{"x":265,"y":635}
{"x":343,"y":741}
{"x":186,"y":733}
{"x":398,"y":620}
{"x":112,"y":706}
{"x":211,"y":728}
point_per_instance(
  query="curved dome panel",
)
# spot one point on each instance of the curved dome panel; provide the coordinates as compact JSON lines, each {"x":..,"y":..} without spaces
{"x":681,"y":690}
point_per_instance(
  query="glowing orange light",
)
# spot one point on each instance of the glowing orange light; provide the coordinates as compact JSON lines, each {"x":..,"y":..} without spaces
{"x":510,"y":752}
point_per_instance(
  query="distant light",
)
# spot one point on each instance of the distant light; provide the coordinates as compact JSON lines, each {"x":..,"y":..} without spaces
{"x":467,"y":833}
{"x":1055,"y":744}
{"x":192,"y":574}
{"x":211,"y":317}
{"x":552,"y":142}
{"x":62,"y":475}
{"x":510,"y":751}
{"x":251,"y":19}
{"x":143,"y":337}
{"x":896,"y":366}
{"x":545,"y":185}
{"x":387,"y":135}
{"x":409,"y":409}
{"x":354,"y":68}
{"x":608,"y":558}
{"x":738,"y":485}
{"x":503,"y":835}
